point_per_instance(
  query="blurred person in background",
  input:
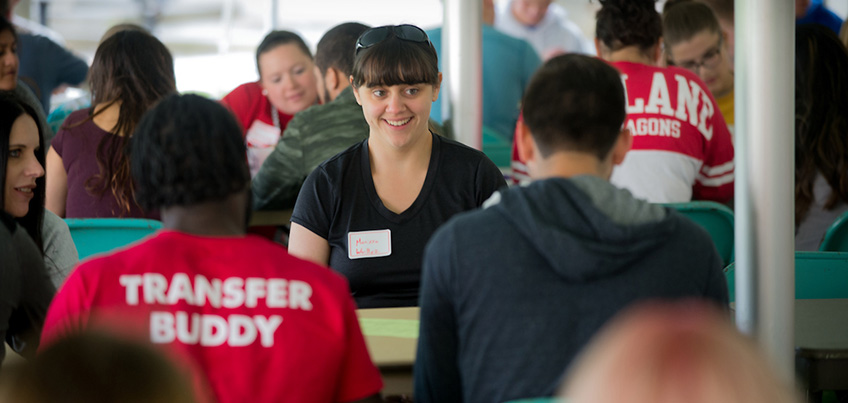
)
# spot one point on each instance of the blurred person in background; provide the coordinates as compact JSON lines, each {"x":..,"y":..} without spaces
{"x":693,"y":40}
{"x":88,"y":173}
{"x":667,"y":353}
{"x":508,"y":64}
{"x":286,"y":86}
{"x":96,"y":368}
{"x":821,"y":124}
{"x":815,"y":12}
{"x":319,"y":132}
{"x":544,"y":24}
{"x":9,"y":80}
{"x":45,"y":65}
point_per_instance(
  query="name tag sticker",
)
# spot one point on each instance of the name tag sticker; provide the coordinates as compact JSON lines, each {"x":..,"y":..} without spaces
{"x":363,"y":244}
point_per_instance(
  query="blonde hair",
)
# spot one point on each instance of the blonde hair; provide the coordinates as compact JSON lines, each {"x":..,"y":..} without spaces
{"x":663,"y":353}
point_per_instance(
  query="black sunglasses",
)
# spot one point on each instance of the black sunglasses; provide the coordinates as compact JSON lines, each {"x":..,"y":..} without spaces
{"x":376,"y":35}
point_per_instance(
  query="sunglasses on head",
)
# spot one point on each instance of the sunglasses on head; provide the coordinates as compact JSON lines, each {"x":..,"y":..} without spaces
{"x":374,"y":36}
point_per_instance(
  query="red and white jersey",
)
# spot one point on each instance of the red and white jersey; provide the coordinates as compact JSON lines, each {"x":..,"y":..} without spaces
{"x":682,"y":148}
{"x":519,"y":169}
{"x":256,"y":324}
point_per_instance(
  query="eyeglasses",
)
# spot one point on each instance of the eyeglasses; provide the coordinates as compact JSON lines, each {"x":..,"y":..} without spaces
{"x":709,"y":60}
{"x":376,"y":35}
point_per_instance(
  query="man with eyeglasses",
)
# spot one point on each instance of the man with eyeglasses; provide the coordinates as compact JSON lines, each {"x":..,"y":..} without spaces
{"x":694,"y":40}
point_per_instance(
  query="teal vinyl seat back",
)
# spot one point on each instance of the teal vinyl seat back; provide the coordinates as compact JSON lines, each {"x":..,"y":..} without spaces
{"x":836,"y":237}
{"x":818,"y":275}
{"x":100,"y":235}
{"x":497,"y":148}
{"x":717,"y":219}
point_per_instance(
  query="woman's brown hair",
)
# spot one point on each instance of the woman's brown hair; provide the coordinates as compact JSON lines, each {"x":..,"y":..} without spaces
{"x":821,"y":116}
{"x":133,"y":70}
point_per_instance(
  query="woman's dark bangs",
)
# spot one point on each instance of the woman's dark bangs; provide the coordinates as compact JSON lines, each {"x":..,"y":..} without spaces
{"x":395,"y":63}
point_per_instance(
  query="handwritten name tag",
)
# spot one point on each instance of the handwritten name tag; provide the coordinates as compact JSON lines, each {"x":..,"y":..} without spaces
{"x":363,"y":244}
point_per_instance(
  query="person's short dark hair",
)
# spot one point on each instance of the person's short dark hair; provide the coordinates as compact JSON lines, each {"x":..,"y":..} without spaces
{"x":395,"y":61}
{"x":575,"y":103}
{"x":187,"y":150}
{"x":336,"y":48}
{"x":94,"y":367}
{"x":6,"y":25}
{"x":687,"y":19}
{"x":280,"y":38}
{"x":11,"y":108}
{"x":622,"y":23}
{"x":723,"y":9}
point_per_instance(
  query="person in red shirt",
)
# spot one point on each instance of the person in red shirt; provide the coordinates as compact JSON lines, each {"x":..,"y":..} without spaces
{"x":258,"y":323}
{"x":682,"y":148}
{"x":287,"y":85}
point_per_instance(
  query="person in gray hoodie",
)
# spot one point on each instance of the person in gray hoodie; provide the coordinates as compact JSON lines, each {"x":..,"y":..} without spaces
{"x":512,"y":292}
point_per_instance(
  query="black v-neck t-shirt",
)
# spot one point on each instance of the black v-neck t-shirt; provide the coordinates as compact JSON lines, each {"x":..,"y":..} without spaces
{"x":338,"y":202}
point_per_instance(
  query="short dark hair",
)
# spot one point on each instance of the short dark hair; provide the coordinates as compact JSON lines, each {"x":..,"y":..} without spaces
{"x":280,"y":38}
{"x":687,"y":19}
{"x":395,"y":61}
{"x":99,"y":367}
{"x":576,"y":103}
{"x":622,"y":23}
{"x":336,"y":48}
{"x":12,"y":107}
{"x":187,"y":150}
{"x":723,"y":9}
{"x":6,"y":25}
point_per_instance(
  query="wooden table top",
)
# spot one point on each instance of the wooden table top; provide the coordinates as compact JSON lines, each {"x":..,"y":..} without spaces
{"x":391,"y":335}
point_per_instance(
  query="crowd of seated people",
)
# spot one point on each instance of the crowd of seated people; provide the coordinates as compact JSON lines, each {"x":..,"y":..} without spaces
{"x":523,"y":291}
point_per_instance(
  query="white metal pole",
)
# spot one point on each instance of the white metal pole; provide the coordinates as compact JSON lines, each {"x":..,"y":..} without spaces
{"x":765,"y":198}
{"x":275,"y":14}
{"x":462,"y":36}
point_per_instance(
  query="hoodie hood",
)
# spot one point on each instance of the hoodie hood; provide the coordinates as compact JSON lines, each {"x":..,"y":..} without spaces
{"x":584,"y":220}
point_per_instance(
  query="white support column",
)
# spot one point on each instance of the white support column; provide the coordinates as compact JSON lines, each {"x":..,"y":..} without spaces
{"x":275,"y":14}
{"x":462,"y":39}
{"x":764,"y":203}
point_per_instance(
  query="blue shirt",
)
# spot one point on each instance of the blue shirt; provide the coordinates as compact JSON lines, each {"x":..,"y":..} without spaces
{"x":817,"y":13}
{"x":508,"y":64}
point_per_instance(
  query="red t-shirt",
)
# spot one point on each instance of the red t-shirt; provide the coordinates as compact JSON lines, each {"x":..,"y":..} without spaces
{"x":682,"y":148}
{"x":248,"y":105}
{"x":252,"y":109}
{"x":261,"y":325}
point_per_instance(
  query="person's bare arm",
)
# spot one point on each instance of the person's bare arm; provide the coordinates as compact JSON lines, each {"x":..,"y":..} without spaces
{"x":57,"y":183}
{"x":305,"y":244}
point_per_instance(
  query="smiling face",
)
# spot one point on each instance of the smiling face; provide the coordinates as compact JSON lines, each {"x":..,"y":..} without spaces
{"x":397,"y":115}
{"x":287,"y":74}
{"x":705,"y":55}
{"x":22,"y":168}
{"x":8,"y":61}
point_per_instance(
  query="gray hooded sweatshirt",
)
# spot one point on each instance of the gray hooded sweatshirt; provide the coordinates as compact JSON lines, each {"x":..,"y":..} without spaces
{"x":512,"y":292}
